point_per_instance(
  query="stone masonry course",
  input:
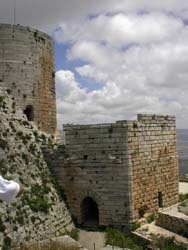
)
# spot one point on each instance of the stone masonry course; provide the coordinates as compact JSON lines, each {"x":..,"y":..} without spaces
{"x":120,"y":171}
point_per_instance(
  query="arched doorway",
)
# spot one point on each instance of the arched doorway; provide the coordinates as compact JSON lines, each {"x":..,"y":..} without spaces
{"x":89,"y":212}
{"x":29,"y":112}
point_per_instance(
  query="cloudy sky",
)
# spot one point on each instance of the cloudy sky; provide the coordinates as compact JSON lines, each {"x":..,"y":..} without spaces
{"x":114,"y":58}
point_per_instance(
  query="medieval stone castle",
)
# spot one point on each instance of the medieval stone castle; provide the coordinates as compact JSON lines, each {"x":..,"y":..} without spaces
{"x":112,"y":174}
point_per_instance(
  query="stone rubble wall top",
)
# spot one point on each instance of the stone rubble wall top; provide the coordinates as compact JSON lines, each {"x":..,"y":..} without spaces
{"x":25,"y":28}
{"x":141,"y":119}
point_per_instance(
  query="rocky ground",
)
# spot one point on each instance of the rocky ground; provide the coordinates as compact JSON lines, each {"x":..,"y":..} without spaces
{"x":148,"y":230}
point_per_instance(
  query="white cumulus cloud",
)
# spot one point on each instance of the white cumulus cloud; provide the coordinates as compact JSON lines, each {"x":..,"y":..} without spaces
{"x":122,"y":29}
{"x":140,"y":59}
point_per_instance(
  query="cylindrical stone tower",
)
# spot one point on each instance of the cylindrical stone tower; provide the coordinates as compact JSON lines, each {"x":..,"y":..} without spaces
{"x":27,"y":70}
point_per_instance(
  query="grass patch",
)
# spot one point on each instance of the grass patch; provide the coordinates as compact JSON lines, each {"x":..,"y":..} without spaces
{"x":183,"y":204}
{"x":150,"y":218}
{"x":183,"y":197}
{"x":135,"y":226}
{"x":74,"y":234}
{"x":37,"y":200}
{"x":117,"y":238}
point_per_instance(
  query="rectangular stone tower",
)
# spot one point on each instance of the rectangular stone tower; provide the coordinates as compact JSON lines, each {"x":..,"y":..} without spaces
{"x":153,"y":162}
{"x":114,"y":173}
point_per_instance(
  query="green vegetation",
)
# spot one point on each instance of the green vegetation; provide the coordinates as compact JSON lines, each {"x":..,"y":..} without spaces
{"x":150,"y":218}
{"x":38,"y":204}
{"x":2,"y":98}
{"x":183,"y":204}
{"x":74,"y":234}
{"x":40,"y":190}
{"x":183,"y":197}
{"x":38,"y":201}
{"x":115,"y":237}
{"x":135,"y":226}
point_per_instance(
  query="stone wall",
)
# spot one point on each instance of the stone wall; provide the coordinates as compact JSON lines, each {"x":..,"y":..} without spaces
{"x":40,"y":213}
{"x":153,"y":162}
{"x":173,"y":220}
{"x":27,"y":70}
{"x":95,"y":165}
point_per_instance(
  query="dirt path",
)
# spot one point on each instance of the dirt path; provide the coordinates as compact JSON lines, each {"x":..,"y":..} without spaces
{"x":92,"y":240}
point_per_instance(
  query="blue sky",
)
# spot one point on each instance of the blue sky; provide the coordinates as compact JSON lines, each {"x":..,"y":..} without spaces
{"x":61,"y":62}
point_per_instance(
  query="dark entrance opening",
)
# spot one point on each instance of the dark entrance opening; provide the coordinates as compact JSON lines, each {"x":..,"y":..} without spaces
{"x":160,"y":199}
{"x":89,"y":212}
{"x":29,"y":112}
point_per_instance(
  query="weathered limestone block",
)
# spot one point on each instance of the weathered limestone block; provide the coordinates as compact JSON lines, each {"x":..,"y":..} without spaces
{"x":176,"y":222}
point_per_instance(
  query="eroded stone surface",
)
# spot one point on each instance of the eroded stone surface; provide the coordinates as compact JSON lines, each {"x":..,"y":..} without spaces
{"x":39,"y":213}
{"x":147,"y":231}
{"x":174,"y":220}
